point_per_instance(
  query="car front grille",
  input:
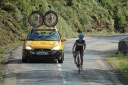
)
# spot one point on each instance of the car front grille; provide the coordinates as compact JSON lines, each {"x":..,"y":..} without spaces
{"x":42,"y":49}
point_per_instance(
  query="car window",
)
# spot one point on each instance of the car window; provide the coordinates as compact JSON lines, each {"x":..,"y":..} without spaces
{"x":43,"y":35}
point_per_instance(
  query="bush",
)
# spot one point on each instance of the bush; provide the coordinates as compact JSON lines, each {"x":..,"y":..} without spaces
{"x":9,"y":7}
{"x":122,"y":21}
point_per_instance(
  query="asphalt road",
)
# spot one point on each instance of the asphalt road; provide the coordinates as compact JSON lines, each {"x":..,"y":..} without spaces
{"x":95,"y":70}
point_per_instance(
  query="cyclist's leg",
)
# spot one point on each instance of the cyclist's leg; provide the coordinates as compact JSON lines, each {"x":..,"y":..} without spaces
{"x":81,"y":55}
{"x":74,"y":55}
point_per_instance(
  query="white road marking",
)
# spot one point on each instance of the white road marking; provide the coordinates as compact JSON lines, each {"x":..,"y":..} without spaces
{"x":59,"y":65}
{"x":63,"y":78}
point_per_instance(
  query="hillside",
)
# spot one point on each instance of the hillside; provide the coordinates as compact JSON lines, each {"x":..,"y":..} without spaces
{"x":90,"y":16}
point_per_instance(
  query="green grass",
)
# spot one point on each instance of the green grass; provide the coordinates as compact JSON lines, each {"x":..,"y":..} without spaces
{"x":3,"y":52}
{"x":120,"y":64}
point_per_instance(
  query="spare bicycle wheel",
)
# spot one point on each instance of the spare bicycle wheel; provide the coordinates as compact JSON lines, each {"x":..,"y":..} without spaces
{"x":35,"y":19}
{"x":50,"y":18}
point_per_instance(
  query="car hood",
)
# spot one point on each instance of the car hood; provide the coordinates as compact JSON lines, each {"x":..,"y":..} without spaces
{"x":42,"y":44}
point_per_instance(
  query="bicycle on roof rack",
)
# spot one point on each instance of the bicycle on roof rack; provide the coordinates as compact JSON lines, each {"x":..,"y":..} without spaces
{"x":36,"y":18}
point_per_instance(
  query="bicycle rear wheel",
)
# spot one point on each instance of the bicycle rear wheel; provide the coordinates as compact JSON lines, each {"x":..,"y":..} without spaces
{"x":50,"y":18}
{"x":35,"y":19}
{"x":78,"y":66}
{"x":78,"y":63}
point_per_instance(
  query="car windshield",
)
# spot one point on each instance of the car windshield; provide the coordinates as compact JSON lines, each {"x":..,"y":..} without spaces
{"x":44,"y":34}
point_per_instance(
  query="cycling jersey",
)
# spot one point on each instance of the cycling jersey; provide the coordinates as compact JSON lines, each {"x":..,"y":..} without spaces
{"x":79,"y":45}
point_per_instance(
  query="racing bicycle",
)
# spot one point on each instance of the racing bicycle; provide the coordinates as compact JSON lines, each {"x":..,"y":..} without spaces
{"x":78,"y":62}
{"x":36,"y":18}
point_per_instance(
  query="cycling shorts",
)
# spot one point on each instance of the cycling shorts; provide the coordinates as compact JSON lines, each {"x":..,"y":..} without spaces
{"x":81,"y":52}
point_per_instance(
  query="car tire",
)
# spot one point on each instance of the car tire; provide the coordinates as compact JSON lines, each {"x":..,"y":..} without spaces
{"x":62,"y":59}
{"x":24,"y":60}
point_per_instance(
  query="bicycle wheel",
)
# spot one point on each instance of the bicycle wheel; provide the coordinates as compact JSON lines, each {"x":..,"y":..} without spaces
{"x":78,"y":63}
{"x":35,"y":19}
{"x":50,"y":18}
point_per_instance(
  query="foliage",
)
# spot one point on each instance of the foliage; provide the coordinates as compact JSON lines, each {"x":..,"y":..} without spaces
{"x":120,"y":64}
{"x":86,"y":15}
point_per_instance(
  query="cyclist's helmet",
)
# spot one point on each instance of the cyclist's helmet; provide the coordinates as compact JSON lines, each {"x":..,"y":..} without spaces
{"x":81,"y":36}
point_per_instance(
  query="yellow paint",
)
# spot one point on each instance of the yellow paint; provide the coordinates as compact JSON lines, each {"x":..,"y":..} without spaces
{"x":43,"y":44}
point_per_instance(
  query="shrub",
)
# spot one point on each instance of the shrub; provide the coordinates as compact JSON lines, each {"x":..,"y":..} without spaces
{"x":122,"y":21}
{"x":9,"y":7}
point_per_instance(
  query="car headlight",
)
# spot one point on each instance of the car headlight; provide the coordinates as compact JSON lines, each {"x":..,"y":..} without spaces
{"x":28,"y":48}
{"x":56,"y":48}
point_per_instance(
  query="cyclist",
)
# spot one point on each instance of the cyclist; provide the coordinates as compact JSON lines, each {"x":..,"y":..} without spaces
{"x":79,"y":45}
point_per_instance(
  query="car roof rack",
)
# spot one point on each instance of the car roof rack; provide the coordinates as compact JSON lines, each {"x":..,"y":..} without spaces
{"x":36,"y":28}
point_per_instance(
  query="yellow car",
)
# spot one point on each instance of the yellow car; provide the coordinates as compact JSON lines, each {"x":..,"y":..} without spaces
{"x":43,"y":44}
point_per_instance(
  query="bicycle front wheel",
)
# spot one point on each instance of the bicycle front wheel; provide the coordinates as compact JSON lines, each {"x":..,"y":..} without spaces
{"x":35,"y":19}
{"x":50,"y":18}
{"x":78,"y":63}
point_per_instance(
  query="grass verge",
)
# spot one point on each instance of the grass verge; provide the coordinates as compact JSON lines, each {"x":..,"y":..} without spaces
{"x":4,"y":51}
{"x":120,"y":64}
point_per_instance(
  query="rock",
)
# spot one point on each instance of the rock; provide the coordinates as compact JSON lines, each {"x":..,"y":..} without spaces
{"x":123,"y":46}
{"x":126,"y":30}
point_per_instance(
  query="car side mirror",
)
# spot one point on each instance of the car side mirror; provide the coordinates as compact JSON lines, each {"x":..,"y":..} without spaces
{"x":63,"y":39}
{"x":22,"y":39}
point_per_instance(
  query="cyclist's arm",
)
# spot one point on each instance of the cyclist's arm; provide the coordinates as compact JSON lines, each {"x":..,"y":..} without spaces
{"x":84,"y":45}
{"x":73,"y":47}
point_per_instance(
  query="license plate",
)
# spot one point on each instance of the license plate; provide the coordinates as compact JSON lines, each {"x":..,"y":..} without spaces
{"x":42,"y":53}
